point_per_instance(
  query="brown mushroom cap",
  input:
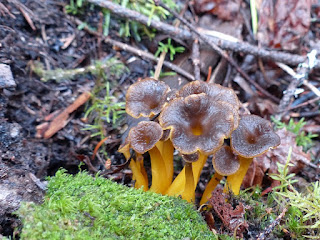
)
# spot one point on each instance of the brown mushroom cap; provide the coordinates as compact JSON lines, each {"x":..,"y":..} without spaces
{"x":225,"y":162}
{"x":197,"y":123}
{"x":253,"y":137}
{"x":144,"y":136}
{"x":146,"y":98}
{"x":216,"y":92}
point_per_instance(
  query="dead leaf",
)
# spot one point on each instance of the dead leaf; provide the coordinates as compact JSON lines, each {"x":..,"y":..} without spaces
{"x":282,"y":23}
{"x":224,"y":9}
{"x":261,"y":106}
{"x":267,"y":163}
{"x":232,"y":218}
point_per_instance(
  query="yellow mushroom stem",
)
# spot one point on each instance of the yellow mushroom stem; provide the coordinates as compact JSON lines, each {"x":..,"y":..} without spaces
{"x":137,"y":170}
{"x":166,"y":149}
{"x":234,"y":181}
{"x":188,"y":193}
{"x":178,"y":185}
{"x":140,"y":163}
{"x":212,"y":184}
{"x":137,"y":175}
{"x":160,"y":181}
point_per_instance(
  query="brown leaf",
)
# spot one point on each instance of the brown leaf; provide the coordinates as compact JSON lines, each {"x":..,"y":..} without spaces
{"x":232,"y":218}
{"x":224,"y":9}
{"x":268,"y":161}
{"x":283,"y":22}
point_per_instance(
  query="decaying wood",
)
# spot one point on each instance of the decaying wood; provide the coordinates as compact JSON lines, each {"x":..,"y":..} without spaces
{"x":48,"y":129}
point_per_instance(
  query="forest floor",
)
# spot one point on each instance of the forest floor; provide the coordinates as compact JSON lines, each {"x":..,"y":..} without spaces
{"x":39,"y":36}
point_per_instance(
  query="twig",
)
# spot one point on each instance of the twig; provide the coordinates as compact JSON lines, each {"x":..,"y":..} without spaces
{"x":239,"y":47}
{"x":218,"y":50}
{"x":136,"y":51}
{"x":270,"y":228}
{"x":149,"y":56}
{"x":196,"y":59}
{"x":26,"y":12}
{"x":305,"y":114}
{"x":299,"y":77}
{"x":195,"y":54}
{"x":159,"y":65}
{"x":4,"y":9}
{"x":304,"y":103}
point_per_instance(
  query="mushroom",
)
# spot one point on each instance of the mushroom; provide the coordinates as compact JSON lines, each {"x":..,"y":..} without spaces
{"x":253,"y":137}
{"x":197,"y":124}
{"x":180,"y":184}
{"x":166,"y":149}
{"x":146,"y":98}
{"x":138,"y":171}
{"x":143,"y":138}
{"x":225,"y":163}
{"x":216,"y":92}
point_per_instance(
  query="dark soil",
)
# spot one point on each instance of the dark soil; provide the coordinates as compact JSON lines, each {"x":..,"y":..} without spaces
{"x":25,"y":161}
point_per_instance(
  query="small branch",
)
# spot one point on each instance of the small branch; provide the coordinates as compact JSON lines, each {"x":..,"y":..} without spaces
{"x":299,"y":77}
{"x":239,"y":47}
{"x":136,"y":51}
{"x":270,"y":228}
{"x":218,"y":50}
{"x":196,"y":59}
{"x":159,"y":65}
{"x":149,"y":56}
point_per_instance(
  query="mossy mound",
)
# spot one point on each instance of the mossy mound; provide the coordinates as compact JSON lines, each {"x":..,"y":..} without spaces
{"x":82,"y":207}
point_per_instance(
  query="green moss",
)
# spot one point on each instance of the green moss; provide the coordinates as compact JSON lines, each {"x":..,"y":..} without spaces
{"x":82,"y":207}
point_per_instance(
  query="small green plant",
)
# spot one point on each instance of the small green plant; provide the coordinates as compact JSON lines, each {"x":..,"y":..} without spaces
{"x":74,"y":7}
{"x":127,"y":27}
{"x":283,"y":177}
{"x":169,"y":48}
{"x":302,"y":139}
{"x":147,"y":8}
{"x":303,"y":216}
{"x":254,"y":16}
{"x":105,"y":108}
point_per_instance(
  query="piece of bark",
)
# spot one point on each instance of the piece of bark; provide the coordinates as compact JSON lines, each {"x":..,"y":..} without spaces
{"x":48,"y":129}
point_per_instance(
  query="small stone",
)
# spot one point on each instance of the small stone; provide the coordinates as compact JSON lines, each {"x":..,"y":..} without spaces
{"x":6,"y":78}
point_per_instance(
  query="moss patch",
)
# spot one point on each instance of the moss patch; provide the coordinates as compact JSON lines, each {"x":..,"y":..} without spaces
{"x":82,"y":207}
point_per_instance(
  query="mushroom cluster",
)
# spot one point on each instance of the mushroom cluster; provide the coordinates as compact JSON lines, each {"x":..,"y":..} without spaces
{"x":195,"y":121}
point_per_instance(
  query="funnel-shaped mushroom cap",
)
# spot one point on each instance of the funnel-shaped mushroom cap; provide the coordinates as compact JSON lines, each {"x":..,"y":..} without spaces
{"x":144,"y":136}
{"x":253,"y":137}
{"x":225,"y":162}
{"x":146,"y":98}
{"x":216,"y":92}
{"x":197,"y":123}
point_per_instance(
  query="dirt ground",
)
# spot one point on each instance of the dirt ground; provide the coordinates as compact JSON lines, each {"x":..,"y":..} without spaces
{"x":32,"y":30}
